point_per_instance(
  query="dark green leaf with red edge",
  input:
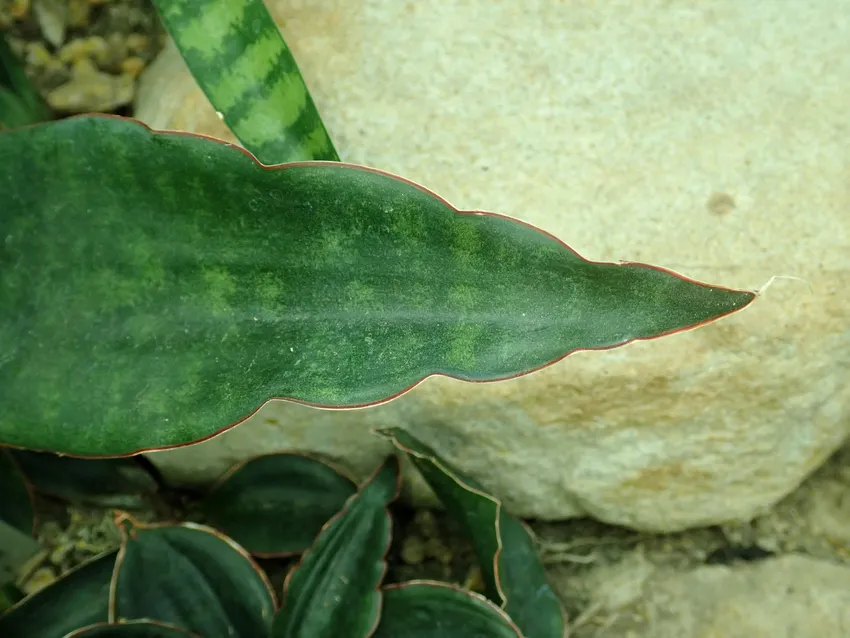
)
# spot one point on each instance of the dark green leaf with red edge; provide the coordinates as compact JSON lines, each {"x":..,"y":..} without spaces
{"x":428,"y":609}
{"x":510,"y":565}
{"x":190,"y":576}
{"x":107,"y":482}
{"x":334,"y":590}
{"x":132,"y":629}
{"x":276,"y":505}
{"x":78,"y":599}
{"x":239,"y":59}
{"x":156,"y":288}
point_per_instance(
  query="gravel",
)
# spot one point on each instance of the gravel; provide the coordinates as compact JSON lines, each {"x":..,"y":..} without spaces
{"x":83,"y":55}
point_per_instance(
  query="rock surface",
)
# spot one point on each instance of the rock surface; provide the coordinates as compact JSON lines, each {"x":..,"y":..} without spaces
{"x":711,"y":140}
{"x":787,"y":597}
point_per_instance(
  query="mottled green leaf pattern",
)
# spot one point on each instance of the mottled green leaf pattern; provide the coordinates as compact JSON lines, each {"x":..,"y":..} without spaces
{"x":240,"y":60}
{"x":157,"y":288}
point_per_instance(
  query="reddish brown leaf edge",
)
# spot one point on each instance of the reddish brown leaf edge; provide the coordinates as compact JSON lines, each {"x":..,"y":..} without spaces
{"x":128,"y":525}
{"x":238,"y":466}
{"x":471,"y":594}
{"x":399,"y":479}
{"x":752,"y":294}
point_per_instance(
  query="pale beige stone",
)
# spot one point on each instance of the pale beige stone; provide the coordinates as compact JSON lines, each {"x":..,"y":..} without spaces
{"x":710,"y":138}
{"x":789,"y":597}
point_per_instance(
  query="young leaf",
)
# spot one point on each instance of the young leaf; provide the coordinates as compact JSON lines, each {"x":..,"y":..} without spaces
{"x":16,"y":508}
{"x":334,"y":590}
{"x":108,"y":482}
{"x":241,"y":62}
{"x":190,"y":576}
{"x":426,"y":609}
{"x":276,"y":505}
{"x":204,"y":284}
{"x":78,"y":599}
{"x":510,"y":566}
{"x":132,"y":629}
{"x":20,"y":103}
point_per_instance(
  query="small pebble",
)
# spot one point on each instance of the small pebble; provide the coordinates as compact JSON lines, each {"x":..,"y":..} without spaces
{"x":438,"y":550}
{"x":137,"y":43}
{"x":72,"y":51}
{"x":38,"y":55}
{"x":413,"y":550}
{"x":114,"y":54}
{"x":133,"y":66}
{"x":79,"y":13}
{"x":19,"y":8}
{"x":61,"y":552}
{"x":40,"y":579}
{"x":426,"y":523}
{"x":52,"y":17}
{"x":91,"y":90}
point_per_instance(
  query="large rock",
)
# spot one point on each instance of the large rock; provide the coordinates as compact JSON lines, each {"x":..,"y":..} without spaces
{"x":787,"y":597}
{"x":710,"y":139}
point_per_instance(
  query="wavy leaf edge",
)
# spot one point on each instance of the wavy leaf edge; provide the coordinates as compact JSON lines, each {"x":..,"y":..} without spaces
{"x":422,"y":582}
{"x":350,"y":166}
{"x":129,"y":525}
{"x":388,"y":434}
{"x":237,"y":467}
{"x":396,"y":462}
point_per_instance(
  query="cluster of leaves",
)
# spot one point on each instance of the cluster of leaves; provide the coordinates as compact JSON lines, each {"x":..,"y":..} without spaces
{"x":172,"y":579}
{"x":204,"y":283}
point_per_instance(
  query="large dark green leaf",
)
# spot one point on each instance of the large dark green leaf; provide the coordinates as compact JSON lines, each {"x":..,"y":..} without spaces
{"x":132,"y":629}
{"x":334,"y":591}
{"x":276,"y":504}
{"x":241,"y":62}
{"x":157,"y":288}
{"x":510,"y":565}
{"x":108,"y":482}
{"x":423,"y":609}
{"x":192,"y":577}
{"x":78,"y":599}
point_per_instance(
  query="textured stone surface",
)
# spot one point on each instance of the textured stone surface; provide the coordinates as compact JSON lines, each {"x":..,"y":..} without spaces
{"x":711,"y":140}
{"x":787,"y":597}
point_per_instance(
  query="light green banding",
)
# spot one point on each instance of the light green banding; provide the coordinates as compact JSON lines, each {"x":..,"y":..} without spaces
{"x":157,"y":288}
{"x":238,"y":57}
